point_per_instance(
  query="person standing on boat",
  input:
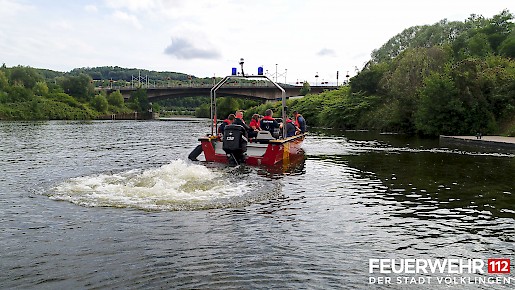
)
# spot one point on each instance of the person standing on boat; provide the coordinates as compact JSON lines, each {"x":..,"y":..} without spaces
{"x":300,"y":122}
{"x":228,"y":121}
{"x":239,"y":121}
{"x":268,"y":123}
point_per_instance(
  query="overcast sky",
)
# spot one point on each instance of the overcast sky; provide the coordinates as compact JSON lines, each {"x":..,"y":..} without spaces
{"x":206,"y":38}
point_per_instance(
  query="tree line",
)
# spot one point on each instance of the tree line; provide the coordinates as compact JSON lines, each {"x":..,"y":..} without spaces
{"x":32,"y":94}
{"x":40,"y":94}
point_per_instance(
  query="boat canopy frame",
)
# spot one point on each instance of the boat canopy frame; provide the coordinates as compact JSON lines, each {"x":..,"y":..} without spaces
{"x":226,"y":79}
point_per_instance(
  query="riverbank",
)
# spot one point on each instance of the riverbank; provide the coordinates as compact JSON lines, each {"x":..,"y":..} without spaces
{"x":183,"y":118}
{"x":489,"y":142}
{"x":130,"y":116}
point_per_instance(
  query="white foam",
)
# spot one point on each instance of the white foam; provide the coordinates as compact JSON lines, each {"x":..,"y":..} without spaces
{"x":175,"y":186}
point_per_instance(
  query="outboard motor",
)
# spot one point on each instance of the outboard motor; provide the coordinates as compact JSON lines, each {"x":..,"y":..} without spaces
{"x":235,"y":143}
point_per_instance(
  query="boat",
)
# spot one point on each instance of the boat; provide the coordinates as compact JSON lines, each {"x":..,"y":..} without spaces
{"x":263,"y":150}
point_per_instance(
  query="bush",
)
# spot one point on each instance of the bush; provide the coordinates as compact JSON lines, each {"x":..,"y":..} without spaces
{"x":116,"y":99}
{"x":204,"y":111}
{"x":99,"y":103}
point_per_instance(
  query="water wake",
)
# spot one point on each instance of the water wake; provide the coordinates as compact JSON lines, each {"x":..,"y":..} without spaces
{"x":320,"y":145}
{"x":175,"y":186}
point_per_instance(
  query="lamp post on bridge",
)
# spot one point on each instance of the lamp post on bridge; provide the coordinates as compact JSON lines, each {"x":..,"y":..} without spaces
{"x":241,"y":63}
{"x":316,"y":79}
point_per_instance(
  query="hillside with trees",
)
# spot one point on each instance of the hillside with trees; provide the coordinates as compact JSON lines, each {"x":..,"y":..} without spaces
{"x":447,"y":78}
{"x":39,"y":94}
{"x":34,"y":94}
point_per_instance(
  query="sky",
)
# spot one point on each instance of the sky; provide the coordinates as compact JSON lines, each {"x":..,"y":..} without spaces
{"x":293,"y":39}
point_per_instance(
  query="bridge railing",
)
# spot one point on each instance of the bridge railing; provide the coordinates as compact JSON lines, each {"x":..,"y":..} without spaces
{"x":193,"y":85}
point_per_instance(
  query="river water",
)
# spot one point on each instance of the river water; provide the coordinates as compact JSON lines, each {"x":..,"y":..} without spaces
{"x":116,"y":204}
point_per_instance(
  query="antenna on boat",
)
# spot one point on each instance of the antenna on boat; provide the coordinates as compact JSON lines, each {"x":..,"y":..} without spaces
{"x":241,"y":63}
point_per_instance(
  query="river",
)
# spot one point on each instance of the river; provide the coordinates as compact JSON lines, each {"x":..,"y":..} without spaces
{"x":116,"y":204}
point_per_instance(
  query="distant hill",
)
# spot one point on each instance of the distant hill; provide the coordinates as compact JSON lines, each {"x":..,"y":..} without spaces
{"x":106,"y":74}
{"x":118,"y":73}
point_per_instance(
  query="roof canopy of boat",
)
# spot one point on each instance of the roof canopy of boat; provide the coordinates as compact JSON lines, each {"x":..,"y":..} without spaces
{"x":249,"y":77}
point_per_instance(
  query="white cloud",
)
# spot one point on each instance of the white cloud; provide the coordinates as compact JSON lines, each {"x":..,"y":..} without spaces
{"x":12,"y":8}
{"x":91,"y":8}
{"x":61,"y":25}
{"x":135,"y":5}
{"x":125,"y":17}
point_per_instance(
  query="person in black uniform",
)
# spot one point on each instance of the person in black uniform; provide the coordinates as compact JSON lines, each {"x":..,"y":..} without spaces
{"x":239,"y":121}
{"x":268,"y":123}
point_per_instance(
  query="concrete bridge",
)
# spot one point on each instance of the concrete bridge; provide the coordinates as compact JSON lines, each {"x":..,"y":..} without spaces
{"x":250,"y":91}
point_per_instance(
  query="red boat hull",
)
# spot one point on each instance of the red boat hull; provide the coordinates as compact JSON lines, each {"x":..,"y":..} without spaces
{"x":257,"y":154}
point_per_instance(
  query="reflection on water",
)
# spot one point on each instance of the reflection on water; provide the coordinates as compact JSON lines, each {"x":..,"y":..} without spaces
{"x":295,"y":165}
{"x":312,"y":223}
{"x":481,"y":181}
{"x":441,"y":197}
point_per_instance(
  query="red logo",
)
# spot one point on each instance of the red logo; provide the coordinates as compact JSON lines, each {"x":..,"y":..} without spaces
{"x":499,"y":266}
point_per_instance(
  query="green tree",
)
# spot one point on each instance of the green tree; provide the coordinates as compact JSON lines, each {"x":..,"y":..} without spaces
{"x":438,"y":34}
{"x":496,"y":79}
{"x":440,"y":111}
{"x":367,"y":81}
{"x":139,"y":101}
{"x":4,"y":82}
{"x":66,"y":99}
{"x":24,"y":76}
{"x":19,"y":93}
{"x":203,"y":111}
{"x":408,"y":70}
{"x":99,"y":103}
{"x":156,"y":108}
{"x":226,"y":106}
{"x":475,"y":89}
{"x":507,"y":47}
{"x":116,"y":99}
{"x":405,"y":76}
{"x":306,"y":88}
{"x":478,"y":45}
{"x":498,"y":28}
{"x":41,"y":89}
{"x":80,"y":87}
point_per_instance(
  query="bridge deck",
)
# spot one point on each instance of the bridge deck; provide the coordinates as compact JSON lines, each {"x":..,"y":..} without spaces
{"x":253,"y":91}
